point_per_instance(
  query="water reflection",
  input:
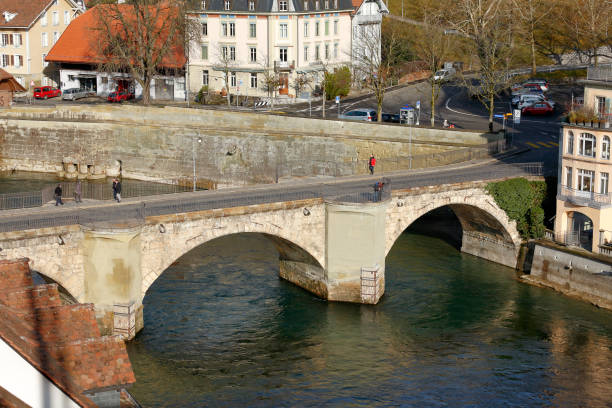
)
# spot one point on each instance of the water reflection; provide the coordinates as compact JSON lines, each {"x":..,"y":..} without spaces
{"x":221,"y":329}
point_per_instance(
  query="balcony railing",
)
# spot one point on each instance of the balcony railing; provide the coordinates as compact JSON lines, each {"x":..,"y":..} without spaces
{"x":600,"y":73}
{"x":585,"y":198}
{"x":284,"y":65}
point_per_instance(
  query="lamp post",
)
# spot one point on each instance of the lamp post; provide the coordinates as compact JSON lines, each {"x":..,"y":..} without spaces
{"x":199,"y":139}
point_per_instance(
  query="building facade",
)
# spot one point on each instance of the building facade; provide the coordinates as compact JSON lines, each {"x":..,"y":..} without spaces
{"x":366,"y":29}
{"x":28,"y":30}
{"x":584,"y":199}
{"x":243,"y":43}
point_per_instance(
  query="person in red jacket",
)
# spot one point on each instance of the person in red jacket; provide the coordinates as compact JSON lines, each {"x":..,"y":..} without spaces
{"x":372,"y":163}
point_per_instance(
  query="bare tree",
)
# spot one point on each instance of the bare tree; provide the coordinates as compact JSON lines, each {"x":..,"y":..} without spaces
{"x":142,"y":38}
{"x":532,"y":13}
{"x":433,"y":46}
{"x":271,"y":81}
{"x":370,"y":68}
{"x":300,"y":82}
{"x":490,"y":26}
{"x":226,"y":57}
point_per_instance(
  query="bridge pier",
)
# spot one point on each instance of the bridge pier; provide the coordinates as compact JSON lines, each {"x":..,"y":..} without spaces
{"x":112,"y":274}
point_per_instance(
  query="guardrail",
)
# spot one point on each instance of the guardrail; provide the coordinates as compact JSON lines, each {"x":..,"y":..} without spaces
{"x":585,"y":198}
{"x":600,"y":73}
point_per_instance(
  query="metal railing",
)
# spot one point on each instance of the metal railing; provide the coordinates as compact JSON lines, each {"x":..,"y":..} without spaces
{"x":93,"y":191}
{"x":584,"y":198}
{"x":600,"y":73}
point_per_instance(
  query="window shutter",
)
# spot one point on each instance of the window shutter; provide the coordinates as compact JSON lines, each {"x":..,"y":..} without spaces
{"x":12,"y":60}
{"x":10,"y":38}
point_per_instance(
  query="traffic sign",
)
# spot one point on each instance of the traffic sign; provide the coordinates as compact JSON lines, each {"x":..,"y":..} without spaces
{"x":418,"y":104}
{"x":498,"y":116}
{"x":337,"y":99}
{"x":517,"y":116}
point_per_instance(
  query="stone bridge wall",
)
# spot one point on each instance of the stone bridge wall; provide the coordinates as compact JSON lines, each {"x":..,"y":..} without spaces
{"x":153,"y":143}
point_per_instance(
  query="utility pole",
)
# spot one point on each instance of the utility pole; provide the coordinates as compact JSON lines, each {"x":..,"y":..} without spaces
{"x":193,"y":146}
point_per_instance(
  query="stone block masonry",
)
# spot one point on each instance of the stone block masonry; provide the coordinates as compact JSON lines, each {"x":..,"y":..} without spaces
{"x":236,"y":148}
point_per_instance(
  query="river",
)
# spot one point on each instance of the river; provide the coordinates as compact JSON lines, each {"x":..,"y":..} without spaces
{"x":221,"y":329}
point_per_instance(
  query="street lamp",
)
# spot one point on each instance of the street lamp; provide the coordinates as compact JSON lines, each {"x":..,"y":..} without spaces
{"x":199,"y":139}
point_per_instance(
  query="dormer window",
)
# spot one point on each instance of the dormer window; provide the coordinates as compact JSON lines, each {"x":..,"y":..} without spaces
{"x":203,"y":4}
{"x":251,"y":5}
{"x":227,"y":4}
{"x":326,"y":4}
{"x":8,"y":16}
{"x":316,"y":4}
{"x":282,"y":5}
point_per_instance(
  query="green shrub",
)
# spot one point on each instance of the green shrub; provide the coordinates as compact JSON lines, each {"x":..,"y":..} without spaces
{"x":201,"y":96}
{"x":338,"y":82}
{"x":522,"y":201}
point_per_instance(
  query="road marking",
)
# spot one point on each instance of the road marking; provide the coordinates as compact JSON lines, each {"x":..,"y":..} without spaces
{"x":554,"y":143}
{"x":544,"y":144}
{"x":486,"y":116}
{"x":533,"y":145}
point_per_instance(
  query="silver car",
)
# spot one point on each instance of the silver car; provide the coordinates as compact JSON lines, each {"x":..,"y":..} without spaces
{"x":73,"y":94}
{"x":368,"y":115}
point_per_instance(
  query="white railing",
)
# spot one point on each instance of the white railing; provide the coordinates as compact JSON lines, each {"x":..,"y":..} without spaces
{"x":586,"y":198}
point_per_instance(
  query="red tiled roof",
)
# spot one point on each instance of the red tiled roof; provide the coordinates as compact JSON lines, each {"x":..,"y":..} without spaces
{"x":357,"y":3}
{"x":26,"y":11}
{"x":62,"y":341}
{"x":79,"y":43}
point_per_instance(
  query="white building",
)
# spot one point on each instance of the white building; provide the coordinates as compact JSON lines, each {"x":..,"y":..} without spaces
{"x":254,"y":39}
{"x":366,"y":26}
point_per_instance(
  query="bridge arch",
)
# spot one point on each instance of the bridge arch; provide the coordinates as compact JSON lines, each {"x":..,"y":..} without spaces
{"x":487,"y":230}
{"x":298,"y":235}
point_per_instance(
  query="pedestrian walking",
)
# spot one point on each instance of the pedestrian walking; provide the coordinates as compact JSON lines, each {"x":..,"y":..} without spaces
{"x":115,"y":189}
{"x":58,"y":195}
{"x":118,"y":190}
{"x":77,"y":192}
{"x":372,"y":163}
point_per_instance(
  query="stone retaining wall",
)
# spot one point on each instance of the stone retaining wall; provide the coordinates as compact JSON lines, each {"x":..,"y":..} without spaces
{"x":152,"y":143}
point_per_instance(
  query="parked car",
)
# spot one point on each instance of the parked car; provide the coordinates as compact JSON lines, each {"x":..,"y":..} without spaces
{"x":391,"y":117}
{"x":73,"y":94}
{"x":45,"y":92}
{"x":542,"y":82}
{"x":359,"y":114}
{"x":538,"y":108}
{"x":527,"y":87}
{"x":120,"y":96}
{"x":445,"y":74}
{"x":526,"y":99}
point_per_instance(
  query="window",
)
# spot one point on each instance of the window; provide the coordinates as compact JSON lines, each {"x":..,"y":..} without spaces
{"x":232,"y":79}
{"x":253,"y":52}
{"x":224,"y":29}
{"x":44,"y":41}
{"x":305,"y":5}
{"x":569,"y":180}
{"x":283,"y":55}
{"x":45,"y":63}
{"x":282,"y":5}
{"x":66,"y":17}
{"x":605,"y":148}
{"x":55,"y":37}
{"x":204,"y":51}
{"x":5,"y":60}
{"x":570,"y":143}
{"x":227,"y":4}
{"x":232,"y":53}
{"x":305,"y":53}
{"x":18,"y":61}
{"x":336,"y":50}
{"x":43,"y":19}
{"x":55,"y":17}
{"x":283,"y":30}
{"x":204,"y":8}
{"x":326,"y":27}
{"x":204,"y":29}
{"x":253,"y":80}
{"x":6,"y":40}
{"x":317,"y":56}
{"x":305,"y":29}
{"x":251,"y":5}
{"x":232,"y":29}
{"x":335,"y":27}
{"x":603,"y":183}
{"x":326,"y":4}
{"x":317,"y":29}
{"x":326,"y":51}
{"x":336,"y":4}
{"x":586,"y":145}
{"x":585,"y":180}
{"x":224,"y":53}
{"x":316,"y":4}
{"x":205,"y":77}
{"x":253,"y":30}
{"x":600,"y":105}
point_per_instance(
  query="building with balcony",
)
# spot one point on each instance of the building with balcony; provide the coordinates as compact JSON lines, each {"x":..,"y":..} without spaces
{"x":28,"y":30}
{"x":584,"y":200}
{"x":244,"y":43}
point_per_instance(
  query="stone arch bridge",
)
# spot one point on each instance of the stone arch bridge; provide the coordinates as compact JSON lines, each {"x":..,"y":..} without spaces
{"x":334,"y":249}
